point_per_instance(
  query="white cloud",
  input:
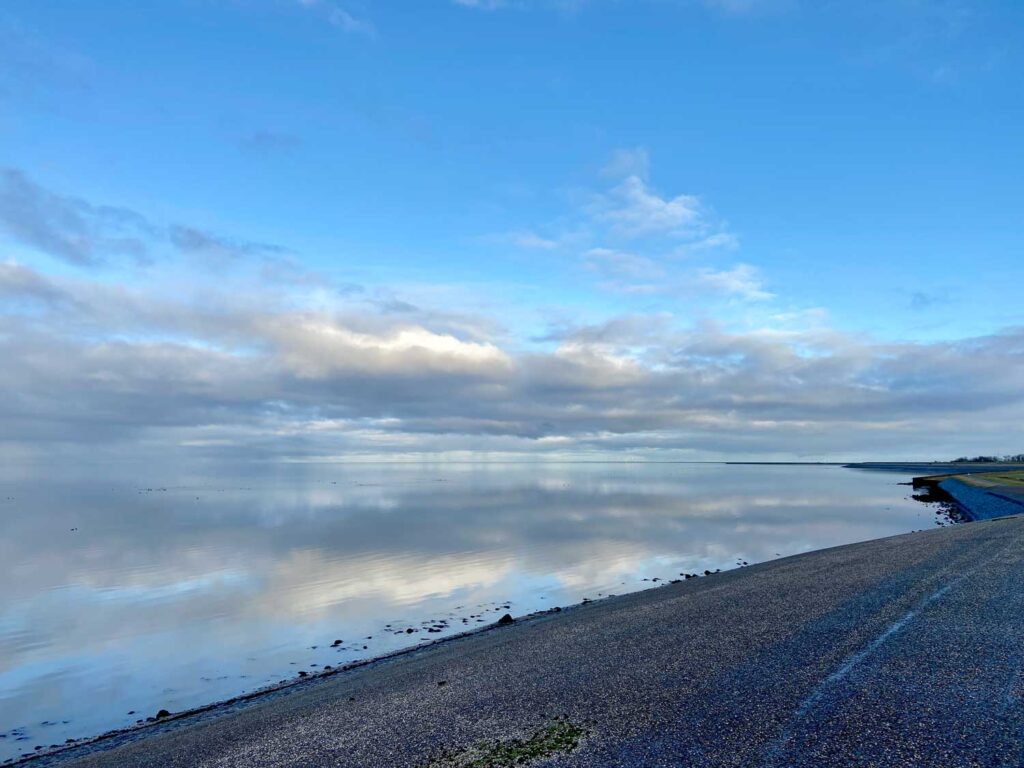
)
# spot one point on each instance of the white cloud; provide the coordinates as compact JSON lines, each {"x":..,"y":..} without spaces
{"x":264,"y":366}
{"x":340,"y":17}
{"x":634,"y":210}
{"x":482,"y":5}
{"x":634,"y":238}
{"x":628,"y":162}
{"x":528,"y":239}
{"x":256,"y":375}
{"x":623,"y":265}
{"x":726,"y":241}
{"x":741,"y":281}
{"x":318,"y":347}
{"x":738,"y":6}
{"x":90,"y":235}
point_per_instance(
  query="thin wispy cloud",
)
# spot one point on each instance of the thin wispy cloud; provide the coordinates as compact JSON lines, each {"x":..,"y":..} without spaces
{"x":525,"y":239}
{"x":267,"y":141}
{"x":624,"y":265}
{"x":743,"y":7}
{"x":719,"y":241}
{"x":92,"y":235}
{"x":741,"y":281}
{"x":633,"y":209}
{"x":729,"y":7}
{"x":67,"y":227}
{"x":626,"y":163}
{"x":483,"y":5}
{"x":340,"y":17}
{"x":637,"y":241}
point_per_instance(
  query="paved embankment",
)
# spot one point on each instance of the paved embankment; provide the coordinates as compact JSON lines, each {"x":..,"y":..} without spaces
{"x":981,"y":503}
{"x":902,"y":651}
{"x":936,"y":467}
{"x":979,"y":496}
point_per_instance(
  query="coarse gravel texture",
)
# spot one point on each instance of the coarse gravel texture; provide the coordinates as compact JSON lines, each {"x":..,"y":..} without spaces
{"x":905,"y":651}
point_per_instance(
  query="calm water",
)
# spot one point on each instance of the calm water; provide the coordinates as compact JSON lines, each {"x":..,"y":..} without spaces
{"x":119,"y":598}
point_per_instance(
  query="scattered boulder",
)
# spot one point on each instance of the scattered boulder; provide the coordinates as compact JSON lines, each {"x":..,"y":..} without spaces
{"x":505,"y":620}
{"x":162,"y":714}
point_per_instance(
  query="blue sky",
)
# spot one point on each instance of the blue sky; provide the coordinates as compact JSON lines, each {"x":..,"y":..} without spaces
{"x":701,"y":197}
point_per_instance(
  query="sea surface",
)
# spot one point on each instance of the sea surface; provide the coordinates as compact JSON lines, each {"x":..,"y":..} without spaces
{"x":121,"y":596}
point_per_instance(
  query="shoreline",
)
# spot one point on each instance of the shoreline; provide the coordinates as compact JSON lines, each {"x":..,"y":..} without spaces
{"x":285,"y":694}
{"x":154,"y":725}
{"x":976,"y":501}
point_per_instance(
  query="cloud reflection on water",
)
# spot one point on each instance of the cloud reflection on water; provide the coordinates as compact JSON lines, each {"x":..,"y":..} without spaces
{"x":223,"y":582}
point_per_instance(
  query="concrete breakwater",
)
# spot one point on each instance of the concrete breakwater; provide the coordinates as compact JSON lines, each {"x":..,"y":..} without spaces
{"x":979,"y":497}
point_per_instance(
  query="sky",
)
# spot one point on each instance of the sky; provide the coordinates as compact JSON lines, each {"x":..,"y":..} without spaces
{"x":528,"y":229}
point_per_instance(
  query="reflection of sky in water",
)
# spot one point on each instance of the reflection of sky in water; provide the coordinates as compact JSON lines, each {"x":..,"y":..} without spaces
{"x":209,"y":585}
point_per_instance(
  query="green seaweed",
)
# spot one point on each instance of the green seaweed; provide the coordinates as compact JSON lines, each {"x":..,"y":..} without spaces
{"x":558,"y":738}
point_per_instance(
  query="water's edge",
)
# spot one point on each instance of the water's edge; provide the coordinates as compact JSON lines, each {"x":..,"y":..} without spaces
{"x":973,"y":506}
{"x":196,"y":715}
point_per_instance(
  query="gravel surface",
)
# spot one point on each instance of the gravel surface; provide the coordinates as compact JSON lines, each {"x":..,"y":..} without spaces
{"x":905,"y":651}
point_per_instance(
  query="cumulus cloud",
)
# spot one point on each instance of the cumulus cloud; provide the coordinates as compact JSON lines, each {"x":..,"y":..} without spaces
{"x":319,"y":347}
{"x":260,"y":376}
{"x":286,"y":366}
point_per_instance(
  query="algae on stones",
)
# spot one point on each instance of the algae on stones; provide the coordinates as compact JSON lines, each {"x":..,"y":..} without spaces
{"x":560,"y":737}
